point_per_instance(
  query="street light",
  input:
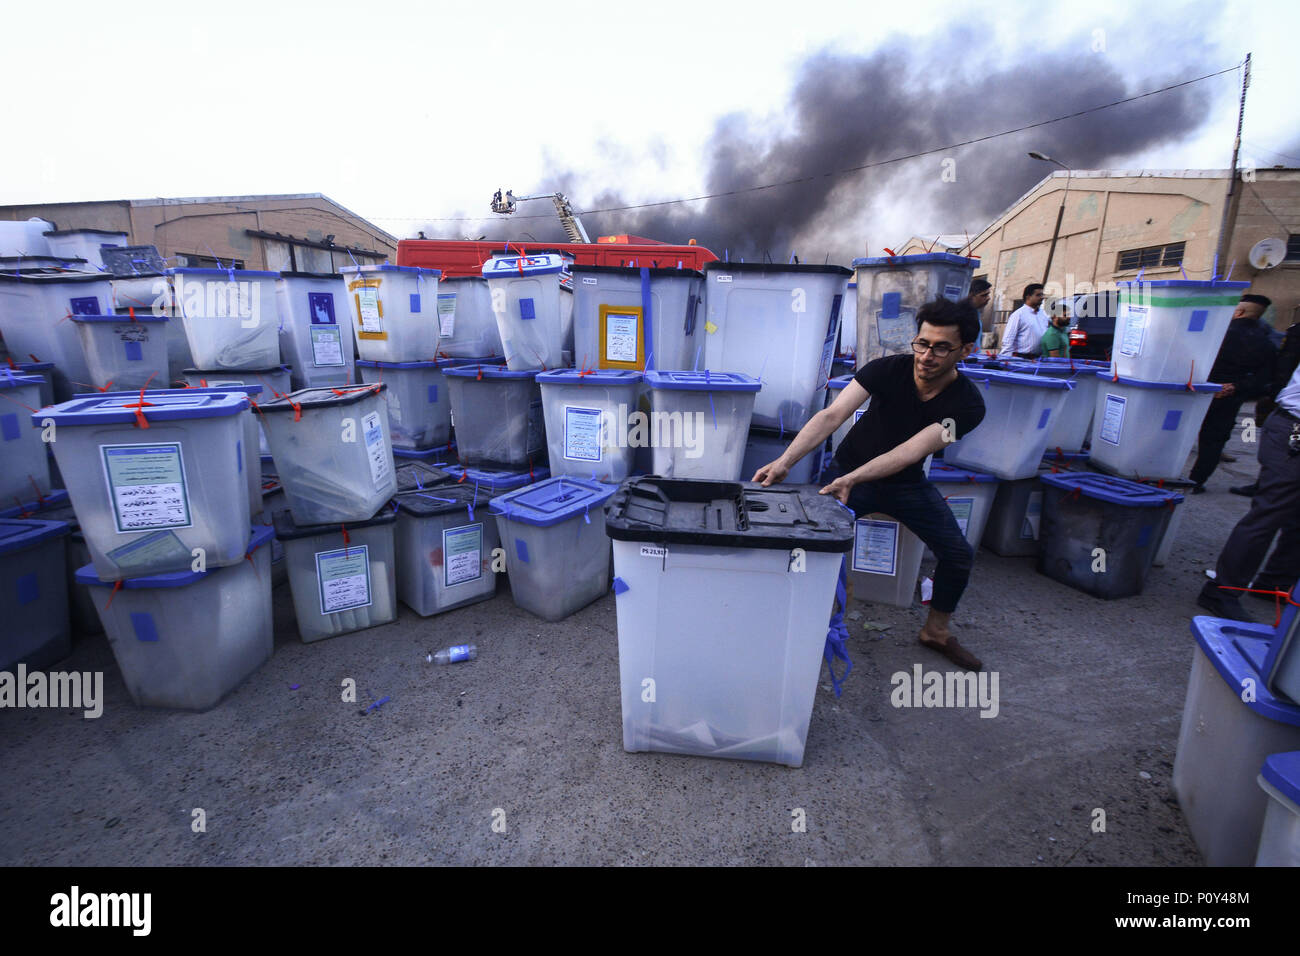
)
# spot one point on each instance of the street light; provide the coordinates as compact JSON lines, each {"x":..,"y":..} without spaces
{"x":1060,"y":213}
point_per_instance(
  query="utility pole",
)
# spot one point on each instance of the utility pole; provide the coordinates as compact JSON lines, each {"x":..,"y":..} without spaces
{"x":1225,"y":225}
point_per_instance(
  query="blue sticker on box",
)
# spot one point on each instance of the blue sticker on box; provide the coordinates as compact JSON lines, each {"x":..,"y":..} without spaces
{"x":1172,"y":418}
{"x":415,"y":302}
{"x":320,"y":306}
{"x":84,"y":305}
{"x":889,"y":305}
{"x":620,"y":586}
{"x":28,"y":588}
{"x":433,"y":394}
{"x":1197,"y":322}
{"x":144,"y":627}
{"x":526,"y":309}
{"x":134,"y":353}
{"x":1144,"y":535}
{"x":1042,"y":419}
{"x":9,"y":428}
{"x":521,"y":549}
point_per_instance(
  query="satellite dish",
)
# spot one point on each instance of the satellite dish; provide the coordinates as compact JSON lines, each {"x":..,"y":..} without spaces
{"x":1267,"y":253}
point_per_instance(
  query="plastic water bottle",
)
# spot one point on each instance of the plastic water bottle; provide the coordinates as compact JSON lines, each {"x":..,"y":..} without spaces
{"x":453,"y":655}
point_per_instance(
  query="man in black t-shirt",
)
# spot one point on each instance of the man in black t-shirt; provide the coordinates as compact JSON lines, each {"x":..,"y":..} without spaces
{"x":919,"y":403}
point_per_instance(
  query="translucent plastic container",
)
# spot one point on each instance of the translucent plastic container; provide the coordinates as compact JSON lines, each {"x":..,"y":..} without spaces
{"x":892,"y":289}
{"x":1279,"y":837}
{"x":394,"y":312}
{"x":446,"y":537}
{"x":1147,"y":429}
{"x":553,"y":533}
{"x":1170,"y":331}
{"x":722,"y":615}
{"x":343,"y":579}
{"x":1281,"y":667}
{"x":439,"y":455}
{"x":332,"y":451}
{"x":530,"y":309}
{"x":42,"y":370}
{"x":1019,"y":410}
{"x":124,"y":352}
{"x":1083,"y":512}
{"x":589,"y":418}
{"x":833,"y":388}
{"x":885,"y":561}
{"x":274,"y":383}
{"x":1180,"y":486}
{"x":467,"y":325}
{"x":1223,"y":741}
{"x":849,"y":323}
{"x":33,"y":594}
{"x":1068,"y":430}
{"x":496,"y":482}
{"x":25,"y":237}
{"x":24,"y":465}
{"x":186,"y":640}
{"x":81,"y":609}
{"x":969,"y":496}
{"x":698,"y":423}
{"x":636,"y":318}
{"x":419,"y":410}
{"x":314,"y":336}
{"x":33,"y":310}
{"x":147,"y":498}
{"x":147,"y":292}
{"x":498,"y":416}
{"x":764,"y":445}
{"x":1015,"y":518}
{"x":780,"y":324}
{"x":84,"y":244}
{"x":231,"y":316}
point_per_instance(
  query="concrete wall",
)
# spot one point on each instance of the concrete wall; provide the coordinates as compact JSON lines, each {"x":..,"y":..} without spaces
{"x":1268,"y":207}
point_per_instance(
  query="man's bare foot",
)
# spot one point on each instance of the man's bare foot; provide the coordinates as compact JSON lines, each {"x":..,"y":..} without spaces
{"x":939,"y":638}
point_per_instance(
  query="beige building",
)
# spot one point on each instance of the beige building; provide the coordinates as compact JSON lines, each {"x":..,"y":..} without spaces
{"x":1116,"y":224}
{"x":301,"y":233}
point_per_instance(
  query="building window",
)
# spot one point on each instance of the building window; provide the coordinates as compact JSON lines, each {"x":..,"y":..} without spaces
{"x":1152,"y":257}
{"x":1292,"y":249}
{"x":192,"y":261}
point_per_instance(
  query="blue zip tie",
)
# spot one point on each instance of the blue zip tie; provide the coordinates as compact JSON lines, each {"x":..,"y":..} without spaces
{"x":713,"y":410}
{"x":450,"y":501}
{"x":697,"y":357}
{"x":780,"y":421}
{"x":585,"y":516}
{"x":378,"y":703}
{"x":620,"y":585}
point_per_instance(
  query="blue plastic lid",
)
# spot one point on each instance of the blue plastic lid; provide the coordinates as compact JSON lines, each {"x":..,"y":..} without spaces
{"x":414,"y":270}
{"x":502,"y":267}
{"x":1165,"y":386}
{"x":34,"y":366}
{"x":227,"y":273}
{"x":1053,"y":455}
{"x":604,"y":376}
{"x":1116,"y":491}
{"x":1233,"y":647}
{"x":169,"y":406}
{"x":433,"y":456}
{"x":554,"y":500}
{"x":432,"y":363}
{"x":262,"y":534}
{"x":705,"y":381}
{"x":1283,"y":772}
{"x":11,"y":379}
{"x":1057,"y":371}
{"x":997,"y":377}
{"x":1076,"y":363}
{"x":241,"y":372}
{"x":16,"y":533}
{"x":486,"y":371}
{"x":839,"y":381}
{"x":120,"y":319}
{"x":192,"y":390}
{"x":924,"y":258}
{"x":939,"y":472}
{"x":498,"y":480}
{"x":58,"y":498}
{"x":1204,"y":285}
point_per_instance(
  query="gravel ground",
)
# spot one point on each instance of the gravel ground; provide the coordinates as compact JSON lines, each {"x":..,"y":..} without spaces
{"x":529,"y":737}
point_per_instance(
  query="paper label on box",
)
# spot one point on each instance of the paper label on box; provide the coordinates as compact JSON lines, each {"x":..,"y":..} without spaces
{"x":724,"y":278}
{"x":344,"y":578}
{"x":1112,"y":419}
{"x":650,"y":552}
{"x":620,"y":337}
{"x":146,"y":484}
{"x":581,"y":433}
{"x":875,"y":546}
{"x":326,"y":346}
{"x":952,"y":291}
{"x":536,"y":439}
{"x":145,"y":555}
{"x":588,"y":280}
{"x":368,"y":307}
{"x":446,"y":314}
{"x":1033,"y":512}
{"x":1135,"y":330}
{"x":462,"y":554}
{"x":896,"y":332}
{"x":376,"y":452}
{"x":961,"y":509}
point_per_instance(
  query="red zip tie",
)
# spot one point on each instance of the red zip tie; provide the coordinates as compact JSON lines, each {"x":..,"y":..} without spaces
{"x":117,"y":586}
{"x":16,"y":402}
{"x":22,"y":508}
{"x":140,"y":420}
{"x":40,"y":498}
{"x":1277,"y":599}
{"x":297,"y":409}
{"x":347,"y":539}
{"x":131,"y":310}
{"x":33,"y":358}
{"x":530,"y":468}
{"x":10,"y":360}
{"x":461,"y":478}
{"x":1190,"y":373}
{"x":479,"y":377}
{"x":105,"y":388}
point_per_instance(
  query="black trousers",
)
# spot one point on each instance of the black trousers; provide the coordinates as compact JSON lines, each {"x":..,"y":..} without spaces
{"x":1275,"y":510}
{"x":1220,"y":419}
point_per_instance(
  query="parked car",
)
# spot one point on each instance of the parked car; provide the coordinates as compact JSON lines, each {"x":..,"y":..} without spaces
{"x":1092,"y":324}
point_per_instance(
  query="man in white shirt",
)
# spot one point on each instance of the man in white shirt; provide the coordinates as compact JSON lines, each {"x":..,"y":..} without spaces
{"x":1026,"y":326}
{"x":1275,"y":510}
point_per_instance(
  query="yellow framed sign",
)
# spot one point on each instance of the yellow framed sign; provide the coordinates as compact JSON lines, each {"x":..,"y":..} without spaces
{"x":369,"y":308}
{"x":622,"y":337}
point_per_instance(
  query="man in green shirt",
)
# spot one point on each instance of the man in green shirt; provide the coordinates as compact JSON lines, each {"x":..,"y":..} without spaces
{"x":1056,"y":340}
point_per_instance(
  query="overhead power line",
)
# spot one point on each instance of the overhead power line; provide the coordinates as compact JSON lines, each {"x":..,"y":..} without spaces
{"x":839,"y":172}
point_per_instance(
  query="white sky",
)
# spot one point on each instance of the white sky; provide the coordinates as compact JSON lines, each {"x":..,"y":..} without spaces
{"x":405,"y":112}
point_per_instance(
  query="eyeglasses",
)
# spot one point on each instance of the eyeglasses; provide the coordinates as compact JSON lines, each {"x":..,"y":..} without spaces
{"x":940,"y":349}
